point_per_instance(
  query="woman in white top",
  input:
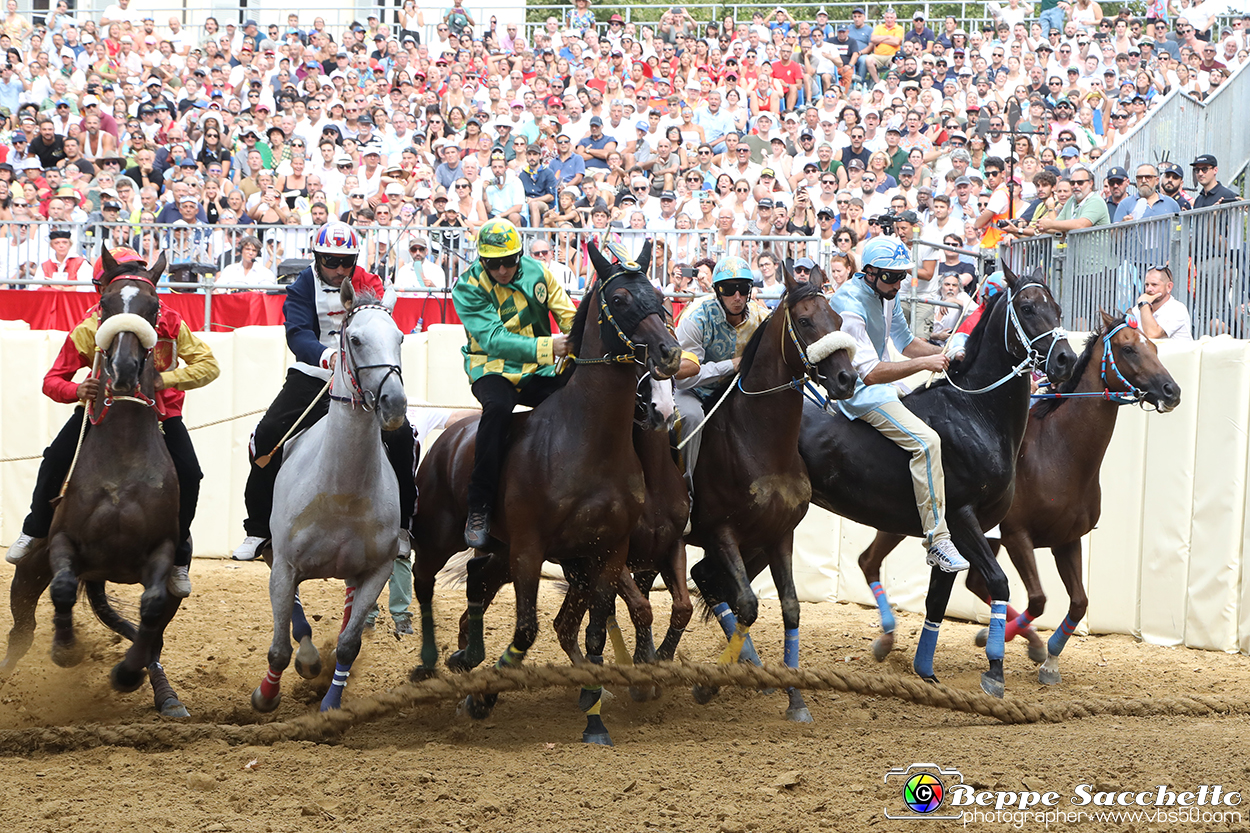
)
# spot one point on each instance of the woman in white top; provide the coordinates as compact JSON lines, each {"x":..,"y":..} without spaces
{"x":410,"y":21}
{"x":1086,"y":14}
{"x":247,"y":271}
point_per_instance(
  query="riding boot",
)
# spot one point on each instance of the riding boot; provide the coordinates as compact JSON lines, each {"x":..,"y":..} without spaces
{"x":498,"y":398}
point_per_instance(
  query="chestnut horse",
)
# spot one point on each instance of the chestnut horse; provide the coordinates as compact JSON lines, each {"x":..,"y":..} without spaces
{"x":1058,"y":498}
{"x":751,"y":488}
{"x":118,"y":518}
{"x":572,"y":487}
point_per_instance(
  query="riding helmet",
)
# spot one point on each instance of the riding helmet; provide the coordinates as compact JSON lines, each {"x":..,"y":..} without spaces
{"x":498,"y":238}
{"x":120,"y":254}
{"x":336,"y":238}
{"x":887,"y":253}
{"x":732,"y":268}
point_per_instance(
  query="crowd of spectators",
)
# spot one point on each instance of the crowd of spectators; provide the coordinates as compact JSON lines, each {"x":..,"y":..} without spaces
{"x":691,"y":133}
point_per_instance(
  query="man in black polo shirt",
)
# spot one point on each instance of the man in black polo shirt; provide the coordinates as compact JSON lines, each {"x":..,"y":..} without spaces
{"x":1217,"y":260}
{"x":1206,"y":172}
{"x":47,"y":145}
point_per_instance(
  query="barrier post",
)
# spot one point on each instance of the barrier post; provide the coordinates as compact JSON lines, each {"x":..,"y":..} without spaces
{"x":208,"y":307}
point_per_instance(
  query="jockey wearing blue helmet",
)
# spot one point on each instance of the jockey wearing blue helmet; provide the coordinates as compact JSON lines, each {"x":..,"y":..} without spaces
{"x":870,"y":316}
{"x":714,"y":332}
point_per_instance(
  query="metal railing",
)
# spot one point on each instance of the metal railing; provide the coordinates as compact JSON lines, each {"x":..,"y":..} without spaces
{"x":1102,"y":268}
{"x":1180,"y":128}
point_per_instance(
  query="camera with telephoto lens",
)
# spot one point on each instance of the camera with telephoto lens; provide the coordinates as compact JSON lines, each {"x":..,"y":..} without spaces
{"x":887,"y":221}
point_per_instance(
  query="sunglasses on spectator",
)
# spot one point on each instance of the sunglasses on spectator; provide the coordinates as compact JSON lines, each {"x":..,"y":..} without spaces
{"x":540,"y":252}
{"x":870,"y":179}
{"x":461,"y":186}
{"x":1202,"y":168}
{"x":1082,"y":181}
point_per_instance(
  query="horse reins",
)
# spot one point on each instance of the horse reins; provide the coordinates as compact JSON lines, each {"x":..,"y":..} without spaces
{"x":624,"y":358}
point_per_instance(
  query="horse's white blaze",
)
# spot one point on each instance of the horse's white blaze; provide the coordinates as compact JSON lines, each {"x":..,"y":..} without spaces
{"x":128,"y":294}
{"x":125,"y":322}
{"x":827,"y":345}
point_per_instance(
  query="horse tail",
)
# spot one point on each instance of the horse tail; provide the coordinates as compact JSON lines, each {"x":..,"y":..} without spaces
{"x":455,"y":572}
{"x":105,"y":613}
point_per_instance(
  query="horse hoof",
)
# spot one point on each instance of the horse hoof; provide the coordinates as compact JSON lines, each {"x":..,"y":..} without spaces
{"x":479,"y":709}
{"x":68,"y":655}
{"x":881,"y":646}
{"x":308,"y":660}
{"x":704,"y":694}
{"x":1037,"y":653}
{"x":799,"y":715}
{"x":993,"y":687}
{"x":420,"y":674}
{"x":1049,"y":674}
{"x":174,"y":708}
{"x":982,"y":637}
{"x":931,"y":679}
{"x":260,"y":704}
{"x":126,"y":681}
{"x":598,"y":739}
{"x":460,"y":663}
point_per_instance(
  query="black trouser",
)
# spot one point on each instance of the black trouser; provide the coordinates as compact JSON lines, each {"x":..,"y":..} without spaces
{"x":298,"y":390}
{"x":58,"y":456}
{"x":498,"y":397}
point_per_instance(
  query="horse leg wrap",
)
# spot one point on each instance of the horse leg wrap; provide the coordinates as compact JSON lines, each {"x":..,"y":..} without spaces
{"x":429,"y":650}
{"x":1017,"y":624}
{"x":1059,"y":638}
{"x":347,"y":608}
{"x":618,"y":643}
{"x":734,"y":649}
{"x":334,"y":697}
{"x":923,"y":663}
{"x":792,"y":648}
{"x":476,"y":649}
{"x":271,"y":684}
{"x":511,"y":658}
{"x":299,"y":621}
{"x":590,"y":700}
{"x":729,"y":624}
{"x":883,"y":605}
{"x":998,"y":625}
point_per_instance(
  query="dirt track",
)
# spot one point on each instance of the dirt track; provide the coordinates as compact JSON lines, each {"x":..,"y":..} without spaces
{"x":734,"y":765}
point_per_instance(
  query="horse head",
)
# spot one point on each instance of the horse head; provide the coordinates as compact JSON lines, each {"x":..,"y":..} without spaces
{"x":133,"y":270}
{"x":126,"y":336}
{"x":369,"y":356}
{"x":1131,"y":365}
{"x":820,"y":348}
{"x":631,"y":314}
{"x":1038,"y":331}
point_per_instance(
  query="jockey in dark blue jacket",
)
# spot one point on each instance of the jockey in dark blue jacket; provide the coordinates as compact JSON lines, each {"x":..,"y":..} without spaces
{"x":314,"y":311}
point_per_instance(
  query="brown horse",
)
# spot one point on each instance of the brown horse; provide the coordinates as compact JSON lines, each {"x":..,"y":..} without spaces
{"x":118,"y":519}
{"x":1058,"y":498}
{"x":572,"y":487}
{"x":751,"y":488}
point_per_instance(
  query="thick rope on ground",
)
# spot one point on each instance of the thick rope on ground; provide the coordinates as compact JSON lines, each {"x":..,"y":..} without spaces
{"x":329,"y":725}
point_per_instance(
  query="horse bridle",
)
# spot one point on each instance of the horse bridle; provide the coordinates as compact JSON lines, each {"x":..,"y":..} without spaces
{"x":630,"y":357}
{"x":1032,"y":358}
{"x":1132,"y":396}
{"x":367,"y":400}
{"x":111,"y":398}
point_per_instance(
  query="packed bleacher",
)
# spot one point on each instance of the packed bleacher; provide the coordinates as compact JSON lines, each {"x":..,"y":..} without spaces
{"x":223,"y":146}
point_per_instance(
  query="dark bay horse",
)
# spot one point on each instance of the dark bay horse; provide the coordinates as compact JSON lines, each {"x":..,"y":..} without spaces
{"x":751,"y":488}
{"x":980,"y":413}
{"x":118,"y":518}
{"x":572,"y":486}
{"x":1058,"y":497}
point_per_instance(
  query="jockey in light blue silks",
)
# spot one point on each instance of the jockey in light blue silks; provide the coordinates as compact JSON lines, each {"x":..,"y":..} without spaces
{"x":870,"y":315}
{"x":715,"y":330}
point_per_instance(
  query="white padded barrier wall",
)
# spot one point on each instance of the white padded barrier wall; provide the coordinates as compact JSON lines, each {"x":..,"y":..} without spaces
{"x":1169,"y":476}
{"x":1164,"y":562}
{"x":1219,"y":497}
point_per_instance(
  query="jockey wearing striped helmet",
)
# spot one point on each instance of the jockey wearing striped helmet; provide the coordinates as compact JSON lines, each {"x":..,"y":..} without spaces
{"x":870,"y":315}
{"x":314,"y":312}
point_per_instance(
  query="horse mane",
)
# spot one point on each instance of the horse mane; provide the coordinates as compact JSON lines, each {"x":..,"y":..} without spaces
{"x":365,"y":295}
{"x":579,"y":319}
{"x":1046,"y":406}
{"x":978,"y":335}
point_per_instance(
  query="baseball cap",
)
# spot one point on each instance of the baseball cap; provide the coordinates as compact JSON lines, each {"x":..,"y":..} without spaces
{"x":188,"y":198}
{"x":917,"y":15}
{"x":668,"y":195}
{"x":826,"y":210}
{"x":1070,"y":152}
{"x":1171,"y":168}
{"x":186,"y":162}
{"x":765,"y":202}
{"x":394,"y":189}
{"x":1205,"y":159}
{"x":963,"y":180}
{"x":769,"y":172}
{"x":805,"y":263}
{"x":907,"y":170}
{"x":595,"y":121}
{"x":364,"y":118}
{"x":856,"y":164}
{"x":1115,"y":173}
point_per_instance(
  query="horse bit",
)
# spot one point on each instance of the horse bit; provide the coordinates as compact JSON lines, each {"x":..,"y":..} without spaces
{"x":1132,"y":396}
{"x":1032,"y":357}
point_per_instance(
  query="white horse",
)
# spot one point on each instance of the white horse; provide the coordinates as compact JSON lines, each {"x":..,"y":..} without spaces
{"x":336,"y":499}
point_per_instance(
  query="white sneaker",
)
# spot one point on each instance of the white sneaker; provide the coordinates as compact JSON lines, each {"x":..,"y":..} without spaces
{"x":250,"y":549}
{"x":179,"y":582}
{"x":20,"y":548}
{"x":944,"y":556}
{"x":405,"y":544}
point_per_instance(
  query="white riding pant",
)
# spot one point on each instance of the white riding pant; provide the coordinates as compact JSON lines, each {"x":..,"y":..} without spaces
{"x":912,"y":434}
